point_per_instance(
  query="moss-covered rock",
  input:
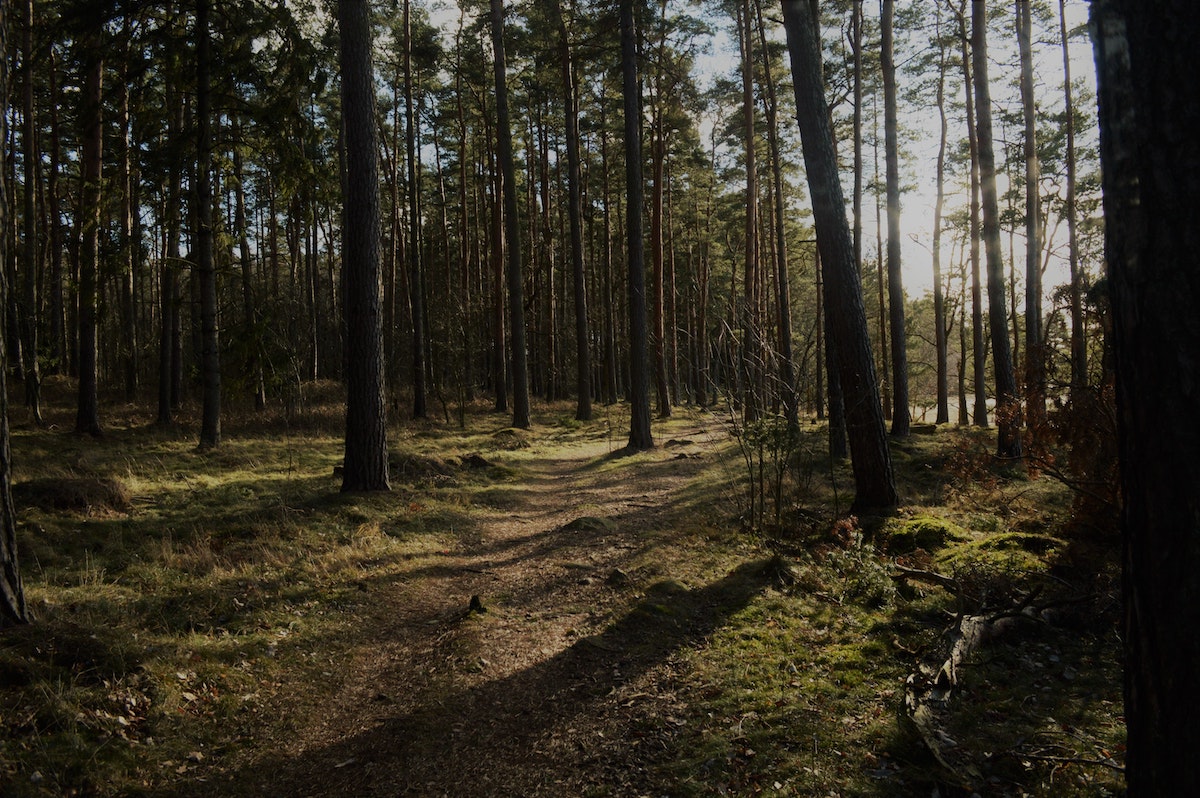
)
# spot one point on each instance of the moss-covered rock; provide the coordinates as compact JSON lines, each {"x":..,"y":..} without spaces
{"x":924,"y":532}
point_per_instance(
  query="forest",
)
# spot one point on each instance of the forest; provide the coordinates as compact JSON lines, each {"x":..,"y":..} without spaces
{"x":605,"y":398}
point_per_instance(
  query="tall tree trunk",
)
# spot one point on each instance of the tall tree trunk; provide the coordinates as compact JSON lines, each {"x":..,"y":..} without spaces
{"x":254,"y":362}
{"x":1035,"y":357}
{"x":206,"y":273}
{"x":169,"y":272}
{"x":58,"y":332}
{"x":881,"y":274}
{"x":875,"y":486}
{"x":127,"y":347}
{"x":939,"y":298}
{"x":87,"y":418}
{"x":783,"y":295}
{"x":13,"y":609}
{"x":963,"y":419}
{"x":978,"y":350}
{"x":752,"y":365}
{"x":610,"y":324}
{"x":366,"y":460}
{"x":1146,"y":59}
{"x":512,"y":227}
{"x":415,"y":267}
{"x":1079,"y":368}
{"x":499,"y":356}
{"x":583,"y":359}
{"x":1008,"y":407}
{"x":639,"y":390}
{"x":29,"y":261}
{"x":658,"y":156}
{"x":856,"y":42}
{"x":900,"y":419}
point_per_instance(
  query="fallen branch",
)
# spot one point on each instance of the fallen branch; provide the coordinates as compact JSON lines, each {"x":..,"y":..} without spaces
{"x":928,"y":577}
{"x":1069,"y":760}
{"x":928,"y":691}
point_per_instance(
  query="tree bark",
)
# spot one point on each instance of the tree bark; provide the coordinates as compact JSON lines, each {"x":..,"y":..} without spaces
{"x":1079,"y":367}
{"x":1008,"y":407}
{"x":254,"y":369}
{"x":206,"y":273}
{"x":169,"y":271}
{"x":29,"y":262}
{"x":875,"y":485}
{"x":640,"y":436}
{"x":978,"y":351}
{"x":1146,"y":59}
{"x":87,"y":418}
{"x":900,"y":418}
{"x":13,"y":609}
{"x":939,"y":298}
{"x":512,"y":227}
{"x":416,"y":292}
{"x":752,"y":365}
{"x":783,"y":291}
{"x":583,"y":359}
{"x":658,"y":156}
{"x":1035,"y":364}
{"x":366,"y":461}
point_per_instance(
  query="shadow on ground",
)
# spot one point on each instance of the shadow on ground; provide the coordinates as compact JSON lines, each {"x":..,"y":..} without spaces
{"x":493,"y":738}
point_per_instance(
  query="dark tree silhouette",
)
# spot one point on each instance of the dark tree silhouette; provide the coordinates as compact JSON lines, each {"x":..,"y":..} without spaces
{"x":206,"y":271}
{"x":512,"y":227}
{"x":12,"y":595}
{"x":87,"y":418}
{"x":1146,"y":64}
{"x":875,"y":486}
{"x":1008,"y":406}
{"x":639,"y":378}
{"x":366,"y":465}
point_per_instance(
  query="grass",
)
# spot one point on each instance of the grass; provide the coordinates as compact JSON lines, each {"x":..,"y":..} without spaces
{"x":201,"y":604}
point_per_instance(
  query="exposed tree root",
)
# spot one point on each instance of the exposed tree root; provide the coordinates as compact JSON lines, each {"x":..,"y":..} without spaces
{"x":928,"y":692}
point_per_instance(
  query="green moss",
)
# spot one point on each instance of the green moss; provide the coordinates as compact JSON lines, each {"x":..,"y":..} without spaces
{"x":923,"y":532}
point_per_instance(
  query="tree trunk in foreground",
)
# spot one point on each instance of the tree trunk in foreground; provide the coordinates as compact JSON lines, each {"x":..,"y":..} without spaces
{"x":366,"y":462}
{"x":583,"y":356}
{"x":13,"y":609}
{"x":875,"y":486}
{"x":1146,"y":64}
{"x":1008,"y":406}
{"x":87,"y":417}
{"x":206,"y":272}
{"x":900,"y":418}
{"x":639,"y":383}
{"x":512,"y":228}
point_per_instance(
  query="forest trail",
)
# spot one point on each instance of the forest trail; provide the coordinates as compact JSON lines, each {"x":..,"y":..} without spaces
{"x":563,"y":685}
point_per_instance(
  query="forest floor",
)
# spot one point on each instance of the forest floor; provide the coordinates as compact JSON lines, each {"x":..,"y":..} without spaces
{"x":539,"y":613}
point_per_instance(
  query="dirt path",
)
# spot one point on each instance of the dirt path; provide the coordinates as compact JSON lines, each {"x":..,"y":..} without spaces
{"x":563,"y":686}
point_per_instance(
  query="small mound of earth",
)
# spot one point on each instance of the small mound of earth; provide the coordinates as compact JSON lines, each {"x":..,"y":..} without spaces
{"x":89,"y":495}
{"x":510,"y":439}
{"x":589,"y":523}
{"x":417,"y":466}
{"x":474,"y":461}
